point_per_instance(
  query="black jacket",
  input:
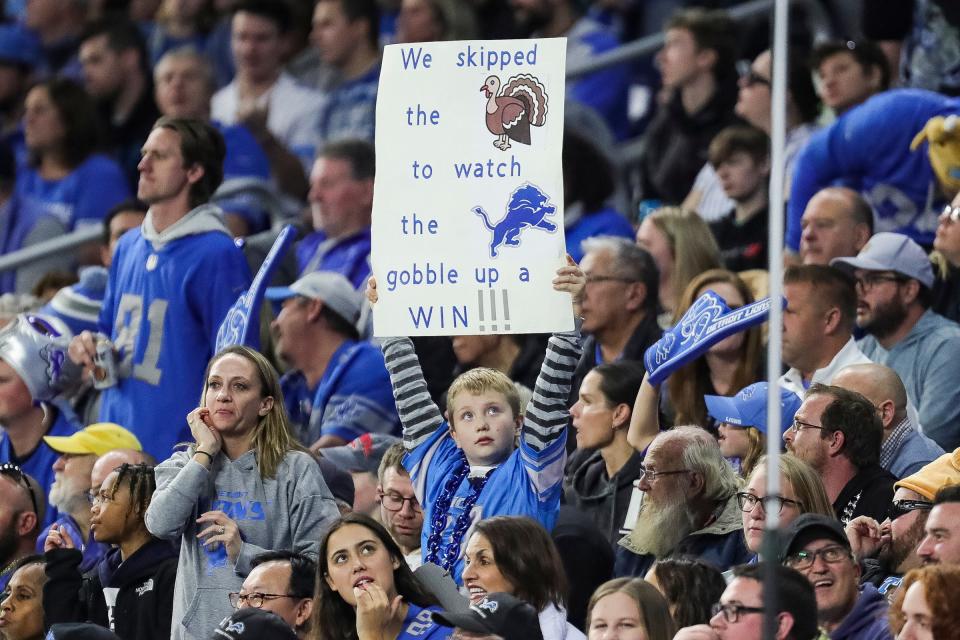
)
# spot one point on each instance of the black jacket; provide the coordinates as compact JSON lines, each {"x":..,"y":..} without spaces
{"x":144,"y":604}
{"x":867,"y":494}
{"x":605,"y":500}
{"x":676,"y":144}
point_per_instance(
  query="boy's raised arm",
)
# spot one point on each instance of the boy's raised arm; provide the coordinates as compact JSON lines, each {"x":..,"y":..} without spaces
{"x":547,"y":415}
{"x":419,"y":416}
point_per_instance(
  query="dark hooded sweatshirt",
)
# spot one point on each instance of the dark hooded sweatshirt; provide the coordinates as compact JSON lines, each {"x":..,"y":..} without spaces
{"x":144,"y":596}
{"x":603,"y":499}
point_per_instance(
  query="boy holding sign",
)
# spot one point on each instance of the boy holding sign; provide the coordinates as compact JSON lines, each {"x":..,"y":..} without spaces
{"x":468,"y":467}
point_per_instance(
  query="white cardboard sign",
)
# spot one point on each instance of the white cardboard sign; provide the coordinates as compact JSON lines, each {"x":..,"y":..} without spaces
{"x":468,"y":201}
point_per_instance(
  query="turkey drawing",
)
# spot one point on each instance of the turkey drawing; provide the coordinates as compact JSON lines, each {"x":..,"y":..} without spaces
{"x":513,"y":108}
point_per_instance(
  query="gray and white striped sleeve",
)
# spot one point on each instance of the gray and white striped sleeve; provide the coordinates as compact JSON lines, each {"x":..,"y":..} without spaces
{"x":419,"y":416}
{"x":547,"y":416}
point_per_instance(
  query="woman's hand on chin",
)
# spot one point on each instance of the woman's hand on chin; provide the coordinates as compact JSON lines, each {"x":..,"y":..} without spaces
{"x":208,"y":439}
{"x":378,"y":618}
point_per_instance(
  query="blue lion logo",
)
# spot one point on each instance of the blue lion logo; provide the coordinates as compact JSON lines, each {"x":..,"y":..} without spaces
{"x":528,"y":207}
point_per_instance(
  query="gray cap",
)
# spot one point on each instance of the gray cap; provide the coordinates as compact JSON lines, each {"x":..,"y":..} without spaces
{"x":891,"y":252}
{"x":333,"y":289}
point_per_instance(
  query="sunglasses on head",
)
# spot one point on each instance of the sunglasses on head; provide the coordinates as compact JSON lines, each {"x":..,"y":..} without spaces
{"x":13,"y":471}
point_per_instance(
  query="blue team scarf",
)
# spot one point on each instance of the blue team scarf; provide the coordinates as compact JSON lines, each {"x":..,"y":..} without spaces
{"x":708,"y":321}
{"x":242,"y":323}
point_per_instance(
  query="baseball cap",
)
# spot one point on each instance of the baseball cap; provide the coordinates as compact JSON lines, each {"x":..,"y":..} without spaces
{"x":248,"y":623}
{"x":499,"y":614}
{"x":749,"y":407}
{"x":809,"y":527}
{"x":943,"y":471}
{"x":332,"y":288}
{"x":361,"y":454}
{"x":887,"y":251}
{"x":338,"y":481}
{"x":96,"y":439}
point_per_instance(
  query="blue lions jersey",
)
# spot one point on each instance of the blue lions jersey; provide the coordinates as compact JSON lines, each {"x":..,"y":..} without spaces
{"x":868,"y":150}
{"x":418,"y":625}
{"x":162,"y":309}
{"x":527,"y":483}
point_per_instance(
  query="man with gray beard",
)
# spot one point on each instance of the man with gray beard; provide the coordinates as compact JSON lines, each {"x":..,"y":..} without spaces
{"x":889,"y":550}
{"x":689,"y":506}
{"x":70,"y":492}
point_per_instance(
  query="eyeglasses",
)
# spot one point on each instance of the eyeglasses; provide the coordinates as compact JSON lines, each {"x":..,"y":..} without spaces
{"x":750,"y":78}
{"x":15,"y":472}
{"x":732,"y":612}
{"x":748,"y":501}
{"x":902,"y":507}
{"x":870,"y":280}
{"x":653,"y":475}
{"x":592,"y":278}
{"x":951,"y":213}
{"x":394,"y":501}
{"x":802,"y":560}
{"x":98,"y":497}
{"x":255,"y":599}
{"x":799,"y":425}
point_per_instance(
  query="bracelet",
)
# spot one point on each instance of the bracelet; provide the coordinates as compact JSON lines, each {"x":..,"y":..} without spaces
{"x":196,"y":451}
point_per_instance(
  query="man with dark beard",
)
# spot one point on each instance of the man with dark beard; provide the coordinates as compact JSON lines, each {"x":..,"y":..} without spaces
{"x":22,"y":508}
{"x":894,"y":279}
{"x":689,"y":506}
{"x":889,"y":550}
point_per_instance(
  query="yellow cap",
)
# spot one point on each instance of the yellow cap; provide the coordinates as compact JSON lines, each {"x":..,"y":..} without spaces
{"x":97,"y":439}
{"x":940,"y":473}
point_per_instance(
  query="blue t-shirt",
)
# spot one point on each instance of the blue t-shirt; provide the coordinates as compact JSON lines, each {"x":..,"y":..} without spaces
{"x":353,"y":397}
{"x":528,"y":483}
{"x":163,"y":308}
{"x":418,"y":625}
{"x":868,"y":150}
{"x":39,"y":463}
{"x":605,"y":222}
{"x":351,"y":109}
{"x":245,"y":157}
{"x":82,"y":197}
{"x":604,"y":90}
{"x":348,"y":256}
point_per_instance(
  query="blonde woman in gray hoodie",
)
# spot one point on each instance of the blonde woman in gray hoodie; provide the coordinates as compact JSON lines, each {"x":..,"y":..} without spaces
{"x":243,"y":487}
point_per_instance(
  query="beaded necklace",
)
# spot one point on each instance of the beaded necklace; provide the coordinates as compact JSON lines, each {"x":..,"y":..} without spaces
{"x":446,"y":558}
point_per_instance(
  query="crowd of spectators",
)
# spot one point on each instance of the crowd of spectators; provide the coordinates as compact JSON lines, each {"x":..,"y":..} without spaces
{"x":162,"y":478}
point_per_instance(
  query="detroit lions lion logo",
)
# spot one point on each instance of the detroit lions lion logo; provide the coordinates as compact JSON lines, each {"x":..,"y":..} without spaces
{"x":528,"y":207}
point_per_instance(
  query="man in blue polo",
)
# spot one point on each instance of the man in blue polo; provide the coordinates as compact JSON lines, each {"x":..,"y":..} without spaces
{"x":338,"y":388}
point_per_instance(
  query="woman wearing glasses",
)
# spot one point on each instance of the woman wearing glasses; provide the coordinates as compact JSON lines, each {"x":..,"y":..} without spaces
{"x":946,"y":261}
{"x":801,"y":491}
{"x":140,"y":569}
{"x":243,"y":487}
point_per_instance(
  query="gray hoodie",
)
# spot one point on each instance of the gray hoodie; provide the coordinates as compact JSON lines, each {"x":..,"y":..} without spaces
{"x":290,"y":511}
{"x":200,"y":219}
